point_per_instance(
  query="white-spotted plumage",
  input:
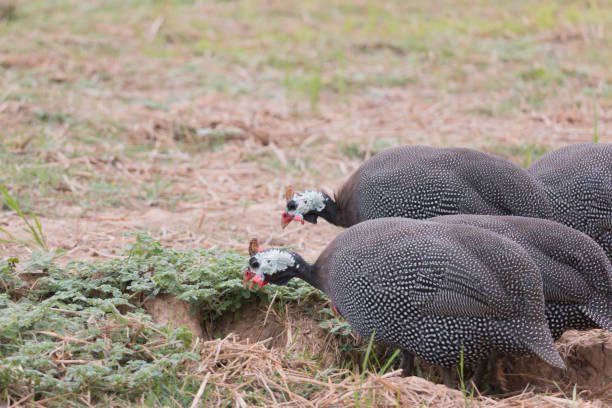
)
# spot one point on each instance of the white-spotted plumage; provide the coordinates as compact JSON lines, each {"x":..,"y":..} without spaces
{"x":438,"y":291}
{"x":422,"y":182}
{"x":578,"y":181}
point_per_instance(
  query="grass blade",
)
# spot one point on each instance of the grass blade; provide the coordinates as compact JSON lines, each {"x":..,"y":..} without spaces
{"x":390,"y":361}
{"x":366,"y":358}
{"x":36,"y":231}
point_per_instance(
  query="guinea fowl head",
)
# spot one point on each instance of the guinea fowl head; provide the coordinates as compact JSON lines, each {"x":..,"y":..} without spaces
{"x":273,"y":265}
{"x":307,"y":206}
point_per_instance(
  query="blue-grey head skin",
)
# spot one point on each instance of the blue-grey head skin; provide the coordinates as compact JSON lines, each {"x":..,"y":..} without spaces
{"x":576,"y":274}
{"x":279,"y":266}
{"x":578,"y":181}
{"x":308,"y":206}
{"x":436,"y":290}
{"x":422,"y":182}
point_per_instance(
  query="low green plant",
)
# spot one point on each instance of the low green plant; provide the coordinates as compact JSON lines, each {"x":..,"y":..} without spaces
{"x":8,"y":278}
{"x":75,"y":333}
{"x":336,"y":325}
{"x":81,"y":329}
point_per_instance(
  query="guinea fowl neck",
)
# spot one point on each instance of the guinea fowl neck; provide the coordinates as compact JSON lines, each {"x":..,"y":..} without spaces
{"x":331,"y":211}
{"x":343,"y":209}
{"x":310,"y":274}
{"x":337,"y":214}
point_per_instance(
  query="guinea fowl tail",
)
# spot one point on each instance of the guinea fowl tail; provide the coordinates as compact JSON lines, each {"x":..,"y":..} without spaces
{"x":536,"y":337}
{"x":600,"y":311}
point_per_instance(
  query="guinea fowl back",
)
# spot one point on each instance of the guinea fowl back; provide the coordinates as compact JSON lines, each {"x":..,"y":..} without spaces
{"x":422,"y":182}
{"x":578,"y":180}
{"x":411,"y":282}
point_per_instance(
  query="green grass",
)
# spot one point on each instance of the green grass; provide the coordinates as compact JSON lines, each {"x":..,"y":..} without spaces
{"x":466,"y":389}
{"x":353,"y":150}
{"x":596,"y":127}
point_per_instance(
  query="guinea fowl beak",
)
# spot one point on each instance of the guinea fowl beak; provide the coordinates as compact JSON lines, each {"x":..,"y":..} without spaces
{"x":286,"y":218}
{"x":247,"y":275}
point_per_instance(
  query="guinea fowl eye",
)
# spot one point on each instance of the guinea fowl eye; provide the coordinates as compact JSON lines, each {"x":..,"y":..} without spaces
{"x":254,"y":263}
{"x":291,"y":205}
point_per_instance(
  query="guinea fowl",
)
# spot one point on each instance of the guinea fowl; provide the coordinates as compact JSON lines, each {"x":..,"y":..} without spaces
{"x":422,"y":182}
{"x":578,"y":181}
{"x":576,"y":273}
{"x":436,"y":291}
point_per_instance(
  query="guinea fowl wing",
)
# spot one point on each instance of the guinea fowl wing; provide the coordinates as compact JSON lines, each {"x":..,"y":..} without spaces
{"x":571,"y":263}
{"x":461,"y":289}
{"x":431,"y":272}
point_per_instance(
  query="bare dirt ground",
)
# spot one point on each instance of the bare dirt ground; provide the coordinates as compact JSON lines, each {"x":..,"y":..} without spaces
{"x":188,"y":119}
{"x":235,"y":200}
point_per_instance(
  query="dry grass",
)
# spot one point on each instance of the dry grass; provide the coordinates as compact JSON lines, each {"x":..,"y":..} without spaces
{"x":231,"y":367}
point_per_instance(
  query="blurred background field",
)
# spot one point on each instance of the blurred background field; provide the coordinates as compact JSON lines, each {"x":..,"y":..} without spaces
{"x":186,"y":119}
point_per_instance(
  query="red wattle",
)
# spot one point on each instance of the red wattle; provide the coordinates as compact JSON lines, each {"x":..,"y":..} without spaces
{"x":258,"y":280}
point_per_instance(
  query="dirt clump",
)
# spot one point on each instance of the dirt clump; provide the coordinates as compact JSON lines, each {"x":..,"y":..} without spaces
{"x":167,"y":309}
{"x":252,"y":323}
{"x":588,"y":357}
{"x":290,"y":331}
